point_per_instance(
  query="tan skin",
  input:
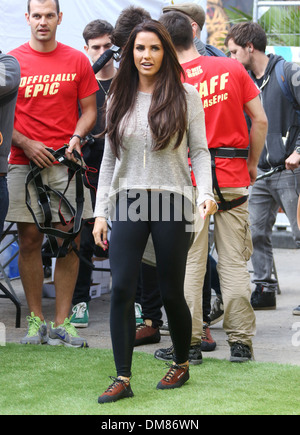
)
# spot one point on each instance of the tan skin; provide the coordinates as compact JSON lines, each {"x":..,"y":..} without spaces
{"x":43,"y":20}
{"x":94,"y":49}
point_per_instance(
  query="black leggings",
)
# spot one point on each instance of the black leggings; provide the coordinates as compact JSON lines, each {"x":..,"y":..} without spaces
{"x":127,"y":244}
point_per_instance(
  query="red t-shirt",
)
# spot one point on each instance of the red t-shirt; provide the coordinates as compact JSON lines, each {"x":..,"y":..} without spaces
{"x":225,"y":87}
{"x":51,"y":85}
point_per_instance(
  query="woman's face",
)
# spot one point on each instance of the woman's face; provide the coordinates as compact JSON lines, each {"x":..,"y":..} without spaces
{"x":148,"y":53}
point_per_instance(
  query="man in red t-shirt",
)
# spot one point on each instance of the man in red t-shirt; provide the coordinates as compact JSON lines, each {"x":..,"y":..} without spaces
{"x":227,"y":92}
{"x":54,"y":78}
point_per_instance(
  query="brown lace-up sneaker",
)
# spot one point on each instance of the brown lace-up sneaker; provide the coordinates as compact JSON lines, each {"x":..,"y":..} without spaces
{"x":119,"y":389}
{"x":208,"y":344}
{"x":146,"y":335}
{"x":177,"y":375}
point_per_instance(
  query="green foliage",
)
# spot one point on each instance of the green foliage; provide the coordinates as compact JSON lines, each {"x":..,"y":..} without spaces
{"x":281,"y":24}
{"x":236,"y":15}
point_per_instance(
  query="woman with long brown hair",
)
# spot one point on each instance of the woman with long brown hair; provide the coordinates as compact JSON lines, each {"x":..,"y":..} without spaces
{"x":152,"y":122}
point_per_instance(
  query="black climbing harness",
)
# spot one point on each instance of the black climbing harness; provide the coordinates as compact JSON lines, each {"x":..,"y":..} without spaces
{"x":227,"y":153}
{"x":44,"y":193}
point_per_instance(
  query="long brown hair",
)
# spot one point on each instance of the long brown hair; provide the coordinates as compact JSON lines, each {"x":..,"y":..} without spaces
{"x":168,"y":111}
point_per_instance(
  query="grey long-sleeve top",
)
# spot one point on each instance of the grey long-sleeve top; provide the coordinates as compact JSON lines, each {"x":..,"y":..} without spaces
{"x":141,"y":168}
{"x":9,"y":84}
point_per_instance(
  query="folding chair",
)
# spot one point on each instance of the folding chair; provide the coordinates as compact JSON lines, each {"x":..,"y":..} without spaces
{"x":9,"y":293}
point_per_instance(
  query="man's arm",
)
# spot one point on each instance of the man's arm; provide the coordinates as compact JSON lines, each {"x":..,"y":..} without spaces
{"x":84,"y":125}
{"x":292,"y":71}
{"x":9,"y":75}
{"x":33,"y":150}
{"x":258,"y":134}
{"x":293,"y":161}
{"x":37,"y":152}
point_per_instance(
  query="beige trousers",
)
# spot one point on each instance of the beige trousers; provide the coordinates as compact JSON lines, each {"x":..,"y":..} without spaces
{"x":195,"y":274}
{"x":234,"y":248}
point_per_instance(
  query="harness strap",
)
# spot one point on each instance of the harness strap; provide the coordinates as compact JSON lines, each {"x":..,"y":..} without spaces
{"x":226,"y":153}
{"x":229,"y":153}
{"x":43,"y":193}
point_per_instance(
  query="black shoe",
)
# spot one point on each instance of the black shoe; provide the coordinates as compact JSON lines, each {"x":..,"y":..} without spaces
{"x":263,"y":299}
{"x":296,"y":311}
{"x":195,"y":355}
{"x":164,"y":329}
{"x":165,"y":354}
{"x":240,"y":352}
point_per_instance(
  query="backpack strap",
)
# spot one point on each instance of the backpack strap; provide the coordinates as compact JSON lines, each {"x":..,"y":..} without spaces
{"x":213,"y":51}
{"x":284,"y":86}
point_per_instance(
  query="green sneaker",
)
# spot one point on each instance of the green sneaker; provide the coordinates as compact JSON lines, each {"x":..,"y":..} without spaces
{"x":37,"y":331}
{"x":65,"y":335}
{"x":80,"y":316}
{"x":138,"y":314}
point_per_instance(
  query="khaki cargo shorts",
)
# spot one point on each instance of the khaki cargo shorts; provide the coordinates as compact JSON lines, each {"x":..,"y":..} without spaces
{"x":56,"y":178}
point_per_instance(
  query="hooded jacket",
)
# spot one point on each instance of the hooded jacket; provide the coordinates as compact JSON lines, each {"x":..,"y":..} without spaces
{"x":280,"y":113}
{"x":9,"y":84}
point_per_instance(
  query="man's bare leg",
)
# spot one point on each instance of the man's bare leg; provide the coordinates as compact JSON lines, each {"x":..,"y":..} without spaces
{"x":65,"y":277}
{"x":31,"y":266}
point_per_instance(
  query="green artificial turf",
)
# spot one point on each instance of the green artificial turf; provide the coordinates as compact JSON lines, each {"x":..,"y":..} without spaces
{"x":36,"y":380}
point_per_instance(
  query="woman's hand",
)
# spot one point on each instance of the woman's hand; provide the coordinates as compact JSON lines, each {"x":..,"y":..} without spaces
{"x":208,"y":208}
{"x":100,"y":232}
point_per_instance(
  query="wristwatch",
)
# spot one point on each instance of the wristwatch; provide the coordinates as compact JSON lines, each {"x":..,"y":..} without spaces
{"x":297,"y":149}
{"x":79,"y":137}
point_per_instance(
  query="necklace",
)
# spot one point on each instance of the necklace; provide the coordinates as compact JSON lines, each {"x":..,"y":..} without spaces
{"x":106,"y":80}
{"x":143,"y":131}
{"x":102,"y":87}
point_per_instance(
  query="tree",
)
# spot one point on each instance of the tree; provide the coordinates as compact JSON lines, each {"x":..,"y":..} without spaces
{"x":281,"y":24}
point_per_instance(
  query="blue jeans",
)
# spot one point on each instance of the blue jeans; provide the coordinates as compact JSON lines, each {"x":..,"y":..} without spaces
{"x":3,"y":202}
{"x":267,"y":195}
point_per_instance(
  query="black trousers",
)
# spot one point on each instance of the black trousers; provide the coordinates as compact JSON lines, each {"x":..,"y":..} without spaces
{"x":4,"y":202}
{"x":150,"y":296}
{"x":127,"y":244}
{"x":150,"y":299}
{"x":86,"y":252}
{"x":83,"y":284}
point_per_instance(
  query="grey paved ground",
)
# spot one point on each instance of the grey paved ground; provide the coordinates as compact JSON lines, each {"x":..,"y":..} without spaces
{"x":278,"y":332}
